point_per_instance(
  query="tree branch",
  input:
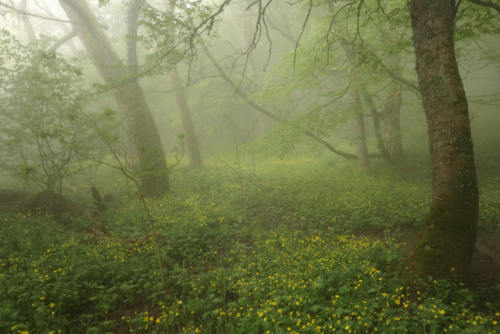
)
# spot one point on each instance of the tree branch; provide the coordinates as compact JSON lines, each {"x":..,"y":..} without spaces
{"x":304,"y":24}
{"x":63,"y":40}
{"x":27,"y":24}
{"x":489,"y":4}
{"x":34,"y":15}
{"x":268,"y":113}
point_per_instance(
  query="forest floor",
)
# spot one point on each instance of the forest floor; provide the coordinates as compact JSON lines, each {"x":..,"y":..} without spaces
{"x":485,"y":261}
{"x":293,"y":246}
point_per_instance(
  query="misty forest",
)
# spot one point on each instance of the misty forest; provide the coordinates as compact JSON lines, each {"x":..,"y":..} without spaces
{"x":249,"y":166}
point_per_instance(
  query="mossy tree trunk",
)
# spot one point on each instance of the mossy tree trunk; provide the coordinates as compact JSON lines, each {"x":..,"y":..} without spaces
{"x":129,"y":96}
{"x":447,"y":241}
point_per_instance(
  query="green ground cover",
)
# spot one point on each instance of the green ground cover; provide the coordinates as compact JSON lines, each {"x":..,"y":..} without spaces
{"x":273,"y":248}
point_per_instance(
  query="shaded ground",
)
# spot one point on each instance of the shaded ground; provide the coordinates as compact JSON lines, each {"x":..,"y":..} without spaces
{"x":485,"y":261}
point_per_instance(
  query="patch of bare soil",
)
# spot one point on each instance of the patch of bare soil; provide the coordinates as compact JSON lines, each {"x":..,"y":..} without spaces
{"x":486,"y":260}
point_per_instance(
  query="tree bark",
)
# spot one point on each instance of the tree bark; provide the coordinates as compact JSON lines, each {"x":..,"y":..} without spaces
{"x":358,"y":81}
{"x":391,"y":124}
{"x":130,"y":98}
{"x":190,"y":138}
{"x":447,"y":241}
{"x":358,"y":128}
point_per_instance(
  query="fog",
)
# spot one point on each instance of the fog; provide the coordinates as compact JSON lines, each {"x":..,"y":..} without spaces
{"x":249,"y":166}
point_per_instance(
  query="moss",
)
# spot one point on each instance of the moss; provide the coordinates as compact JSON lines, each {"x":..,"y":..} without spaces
{"x":445,"y":247}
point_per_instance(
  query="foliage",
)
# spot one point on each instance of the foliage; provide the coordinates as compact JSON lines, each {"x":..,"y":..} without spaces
{"x":298,"y":246}
{"x":275,"y":247}
{"x":170,"y":34}
{"x":45,"y":131}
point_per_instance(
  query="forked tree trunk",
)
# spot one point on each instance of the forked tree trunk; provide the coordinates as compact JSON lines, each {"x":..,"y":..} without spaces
{"x":447,"y":241}
{"x":128,"y":94}
{"x":363,"y":92}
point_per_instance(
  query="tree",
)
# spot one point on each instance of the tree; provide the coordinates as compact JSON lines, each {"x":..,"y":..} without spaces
{"x":391,"y":114}
{"x":180,"y":96}
{"x":187,"y":123}
{"x":448,"y":238}
{"x":128,"y":94}
{"x":358,"y":129}
{"x":44,"y":134}
{"x":447,"y":242}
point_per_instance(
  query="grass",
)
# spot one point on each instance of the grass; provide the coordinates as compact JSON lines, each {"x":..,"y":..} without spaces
{"x":272,"y":248}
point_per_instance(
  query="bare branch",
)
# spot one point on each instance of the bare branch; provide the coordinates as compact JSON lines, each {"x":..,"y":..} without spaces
{"x":34,"y":15}
{"x":302,"y":31}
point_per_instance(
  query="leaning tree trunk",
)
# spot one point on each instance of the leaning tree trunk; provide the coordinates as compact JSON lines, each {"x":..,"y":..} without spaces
{"x":447,"y":241}
{"x":128,"y":94}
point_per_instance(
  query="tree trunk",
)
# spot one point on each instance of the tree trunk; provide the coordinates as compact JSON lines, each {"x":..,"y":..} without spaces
{"x":187,"y":122}
{"x":358,"y":128}
{"x":193,"y":148}
{"x":128,"y":94}
{"x":391,"y":124}
{"x":447,"y":241}
{"x":358,"y":81}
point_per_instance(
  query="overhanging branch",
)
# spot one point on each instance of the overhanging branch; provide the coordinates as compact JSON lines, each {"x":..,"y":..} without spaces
{"x":271,"y":115}
{"x":489,"y":4}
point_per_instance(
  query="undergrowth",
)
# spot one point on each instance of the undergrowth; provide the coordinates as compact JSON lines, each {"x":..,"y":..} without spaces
{"x":274,"y":248}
